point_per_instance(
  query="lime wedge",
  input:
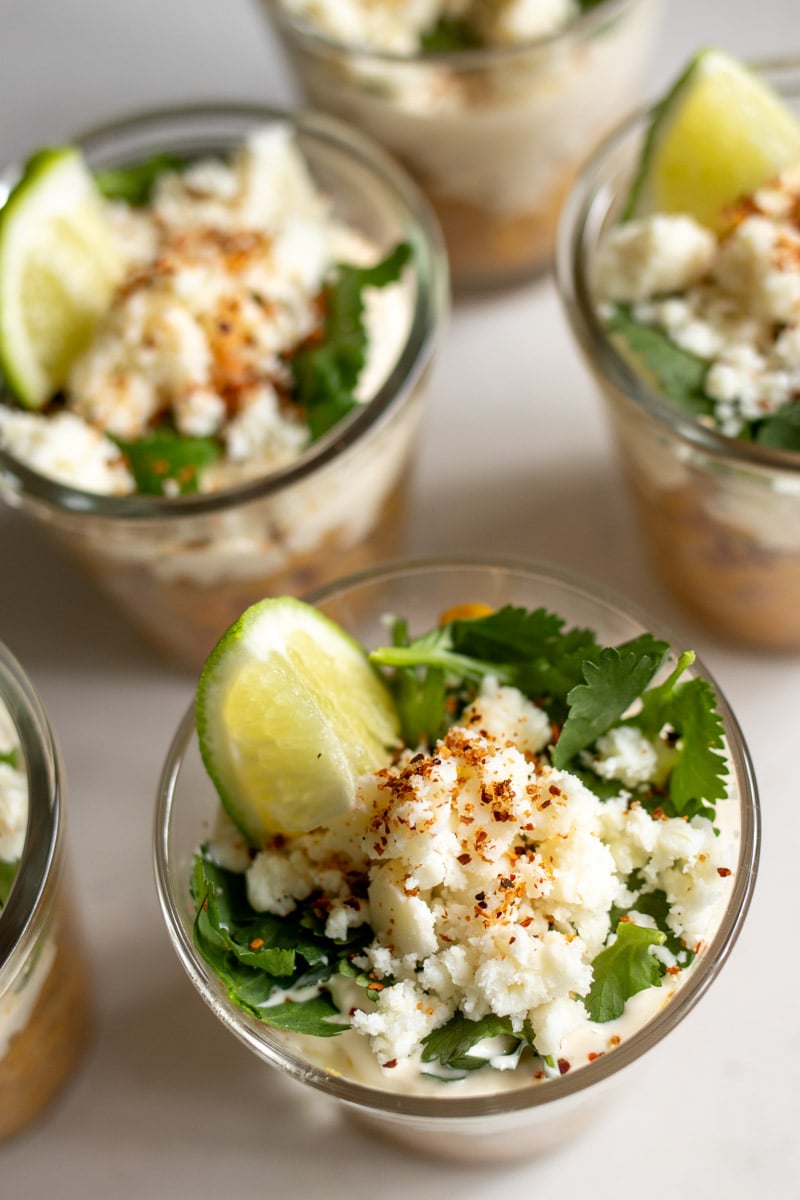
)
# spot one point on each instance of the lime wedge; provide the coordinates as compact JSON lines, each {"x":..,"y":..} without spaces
{"x":58,"y":269}
{"x":289,"y":713}
{"x":719,"y":134}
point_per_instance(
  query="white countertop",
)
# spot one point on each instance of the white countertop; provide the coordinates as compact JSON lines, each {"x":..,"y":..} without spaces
{"x":168,"y":1103}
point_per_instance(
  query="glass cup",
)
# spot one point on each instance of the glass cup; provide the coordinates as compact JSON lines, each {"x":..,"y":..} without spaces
{"x":45,"y":1010}
{"x":182,"y":568}
{"x":494,"y":136}
{"x":504,"y":1124}
{"x":720,"y":517}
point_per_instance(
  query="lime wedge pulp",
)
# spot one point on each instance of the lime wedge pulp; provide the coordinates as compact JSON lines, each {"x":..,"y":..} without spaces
{"x":720,"y":133}
{"x":58,"y":269}
{"x":289,"y":713}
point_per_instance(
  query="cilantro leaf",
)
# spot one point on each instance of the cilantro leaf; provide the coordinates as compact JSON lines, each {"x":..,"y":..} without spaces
{"x":8,"y":871}
{"x":257,"y":939}
{"x":135,"y":184}
{"x":677,"y":373}
{"x":623,"y":969}
{"x":689,"y":710}
{"x":508,"y":635}
{"x":614,"y":680}
{"x":165,"y":457}
{"x":421,"y":703}
{"x":447,"y":35}
{"x":259,"y":957}
{"x":657,"y":701}
{"x":420,"y":694}
{"x":451,"y":1043}
{"x":551,"y":677}
{"x":305,"y":1016}
{"x":10,"y":758}
{"x":697,"y":778}
{"x":434,"y":650}
{"x":656,"y":905}
{"x":325,"y":372}
{"x":528,"y":649}
{"x":780,"y":430}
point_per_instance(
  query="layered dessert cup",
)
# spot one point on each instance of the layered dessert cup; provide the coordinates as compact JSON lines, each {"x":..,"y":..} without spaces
{"x":494,"y":134}
{"x":516,"y":1103}
{"x":182,"y":564}
{"x":720,"y":515}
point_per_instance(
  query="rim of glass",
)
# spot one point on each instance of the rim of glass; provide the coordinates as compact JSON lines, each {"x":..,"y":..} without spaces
{"x":41,"y":847}
{"x":537,"y":1094}
{"x":430,"y":301}
{"x":585,"y":24}
{"x":584,"y":216}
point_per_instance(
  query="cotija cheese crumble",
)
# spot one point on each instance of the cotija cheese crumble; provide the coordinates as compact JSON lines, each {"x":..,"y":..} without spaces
{"x":490,"y":882}
{"x":221,"y":281}
{"x":731,"y":300}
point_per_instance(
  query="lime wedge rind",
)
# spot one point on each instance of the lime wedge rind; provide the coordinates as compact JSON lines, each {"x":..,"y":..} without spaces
{"x":58,"y":269}
{"x":637,"y":203}
{"x":718,"y":134}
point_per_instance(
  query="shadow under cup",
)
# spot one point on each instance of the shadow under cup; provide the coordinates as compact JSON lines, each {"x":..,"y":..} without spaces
{"x":506,"y":1124}
{"x":184,"y":568}
{"x":720,"y":517}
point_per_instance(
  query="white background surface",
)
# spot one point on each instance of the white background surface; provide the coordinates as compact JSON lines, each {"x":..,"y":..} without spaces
{"x":515,"y":460}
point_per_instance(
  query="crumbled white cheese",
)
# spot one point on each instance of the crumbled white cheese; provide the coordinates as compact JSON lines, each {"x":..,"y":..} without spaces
{"x":653,"y":256}
{"x":626,"y":754}
{"x":513,"y":21}
{"x":490,"y":876}
{"x":225,"y":267}
{"x":733,"y":300}
{"x":13,"y":792}
{"x":399,"y":26}
{"x":65,"y":449}
{"x":759,"y":265}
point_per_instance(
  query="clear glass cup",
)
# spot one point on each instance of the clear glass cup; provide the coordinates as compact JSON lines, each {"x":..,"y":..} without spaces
{"x":45,"y":997}
{"x":504,"y":1124}
{"x":182,"y":568}
{"x":494,"y":136}
{"x":720,"y":517}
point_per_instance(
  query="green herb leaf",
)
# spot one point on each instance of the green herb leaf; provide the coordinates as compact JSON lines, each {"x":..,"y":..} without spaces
{"x":8,"y":871}
{"x":613,"y":681}
{"x":658,"y":701}
{"x":656,"y":905}
{"x":259,"y":958}
{"x":10,"y":758}
{"x":447,"y":35}
{"x":781,"y":430}
{"x":135,"y":184}
{"x":451,"y":1043}
{"x":675,"y":372}
{"x":623,"y":969}
{"x":257,"y":939}
{"x":689,"y":710}
{"x":307,"y":1016}
{"x":509,"y":635}
{"x":697,"y":780}
{"x":166,"y":457}
{"x":325,"y":374}
{"x":528,"y":649}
